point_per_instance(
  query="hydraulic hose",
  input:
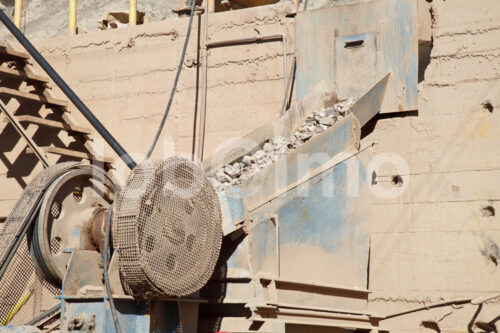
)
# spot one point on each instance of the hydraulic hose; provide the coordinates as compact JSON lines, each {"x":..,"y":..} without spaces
{"x":105,"y":252}
{"x":172,"y":93}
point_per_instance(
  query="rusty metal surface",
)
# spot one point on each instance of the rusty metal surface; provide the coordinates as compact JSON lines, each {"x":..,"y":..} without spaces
{"x":167,"y":228}
{"x":351,"y":58}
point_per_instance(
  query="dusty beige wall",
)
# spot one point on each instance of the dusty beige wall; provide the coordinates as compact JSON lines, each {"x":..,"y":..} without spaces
{"x":125,"y":76}
{"x":436,"y":241}
{"x":428,"y":245}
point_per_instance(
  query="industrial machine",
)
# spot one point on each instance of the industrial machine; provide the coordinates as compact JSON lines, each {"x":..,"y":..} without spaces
{"x":152,"y":255}
{"x":166,"y":238}
{"x":286,"y":250}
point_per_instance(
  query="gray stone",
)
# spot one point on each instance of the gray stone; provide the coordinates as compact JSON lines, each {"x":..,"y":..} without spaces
{"x":328,"y":121}
{"x":247,"y":160}
{"x":233,"y":170}
{"x":215,"y":182}
{"x":259,"y":154}
{"x":268,"y":147}
{"x":279,"y":141}
{"x":221,"y":176}
{"x":279,"y":147}
{"x":224,"y":187}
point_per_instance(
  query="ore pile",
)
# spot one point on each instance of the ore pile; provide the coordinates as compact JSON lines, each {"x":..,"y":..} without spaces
{"x":316,"y":123}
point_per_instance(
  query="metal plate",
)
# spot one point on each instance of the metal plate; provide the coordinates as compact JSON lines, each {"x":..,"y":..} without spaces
{"x":321,"y":37}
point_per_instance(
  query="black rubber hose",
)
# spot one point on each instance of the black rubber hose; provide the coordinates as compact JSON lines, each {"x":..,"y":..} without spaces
{"x":106,"y":277}
{"x":172,"y":93}
{"x":67,"y":90}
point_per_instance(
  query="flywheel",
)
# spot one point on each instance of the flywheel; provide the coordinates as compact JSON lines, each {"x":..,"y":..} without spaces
{"x":64,"y":221}
{"x":167,"y":229}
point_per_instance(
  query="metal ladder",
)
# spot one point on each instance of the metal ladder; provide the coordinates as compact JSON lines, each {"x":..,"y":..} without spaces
{"x":38,"y":117}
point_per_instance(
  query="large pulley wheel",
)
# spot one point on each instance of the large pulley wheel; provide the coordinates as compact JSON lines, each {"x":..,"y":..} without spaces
{"x":67,"y":207}
{"x":167,"y":229}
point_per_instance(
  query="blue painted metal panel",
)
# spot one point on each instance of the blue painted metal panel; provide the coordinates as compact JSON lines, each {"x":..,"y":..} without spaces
{"x":232,"y":208}
{"x":263,"y":245}
{"x":355,"y":54}
{"x":132,"y":316}
{"x":19,"y":329}
{"x":323,"y":235}
{"x":394,"y":23}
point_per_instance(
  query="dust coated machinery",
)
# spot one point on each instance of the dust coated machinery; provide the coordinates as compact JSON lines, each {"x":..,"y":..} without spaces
{"x":172,"y":253}
{"x":285,"y":251}
{"x":166,"y":235}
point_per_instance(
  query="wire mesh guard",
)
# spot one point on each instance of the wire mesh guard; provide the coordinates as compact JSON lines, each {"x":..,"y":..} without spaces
{"x":167,"y":229}
{"x":23,"y":293}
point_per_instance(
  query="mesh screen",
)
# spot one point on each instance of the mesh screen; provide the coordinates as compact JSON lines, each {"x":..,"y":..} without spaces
{"x":23,"y":293}
{"x":167,"y":229}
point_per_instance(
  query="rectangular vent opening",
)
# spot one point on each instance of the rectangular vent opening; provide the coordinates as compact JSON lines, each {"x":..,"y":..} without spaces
{"x":354,"y":43}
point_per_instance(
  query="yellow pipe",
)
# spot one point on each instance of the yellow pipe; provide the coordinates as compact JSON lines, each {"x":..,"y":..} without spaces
{"x":19,"y":304}
{"x":18,"y":13}
{"x":211,"y":6}
{"x":72,"y":17}
{"x":132,"y":12}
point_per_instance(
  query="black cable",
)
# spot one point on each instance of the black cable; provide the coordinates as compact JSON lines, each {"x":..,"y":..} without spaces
{"x":193,"y":2}
{"x":106,"y":277}
{"x":67,"y":90}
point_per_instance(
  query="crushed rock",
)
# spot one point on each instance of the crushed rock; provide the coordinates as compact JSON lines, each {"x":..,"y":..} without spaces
{"x":278,"y":147}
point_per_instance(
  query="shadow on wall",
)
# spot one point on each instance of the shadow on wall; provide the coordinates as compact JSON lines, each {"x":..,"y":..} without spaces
{"x":224,"y":5}
{"x":17,"y":161}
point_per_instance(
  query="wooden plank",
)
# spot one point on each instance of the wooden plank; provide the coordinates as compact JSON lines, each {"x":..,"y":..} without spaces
{"x":254,"y":3}
{"x":32,"y":97}
{"x":87,"y":143}
{"x":10,"y":72}
{"x":34,"y":147}
{"x":72,"y":153}
{"x":54,"y":124}
{"x":8,"y":52}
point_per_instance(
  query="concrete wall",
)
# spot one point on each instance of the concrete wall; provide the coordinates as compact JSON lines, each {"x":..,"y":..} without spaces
{"x":438,"y":241}
{"x":125,"y":77}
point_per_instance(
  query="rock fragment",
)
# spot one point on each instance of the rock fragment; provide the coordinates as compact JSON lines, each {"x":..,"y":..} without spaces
{"x":278,"y":147}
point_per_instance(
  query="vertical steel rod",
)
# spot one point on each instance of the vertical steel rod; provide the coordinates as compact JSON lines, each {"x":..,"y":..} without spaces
{"x":211,"y":6}
{"x":18,"y":13}
{"x":72,"y":17}
{"x":132,"y":12}
{"x":67,"y":90}
{"x":204,"y":73}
